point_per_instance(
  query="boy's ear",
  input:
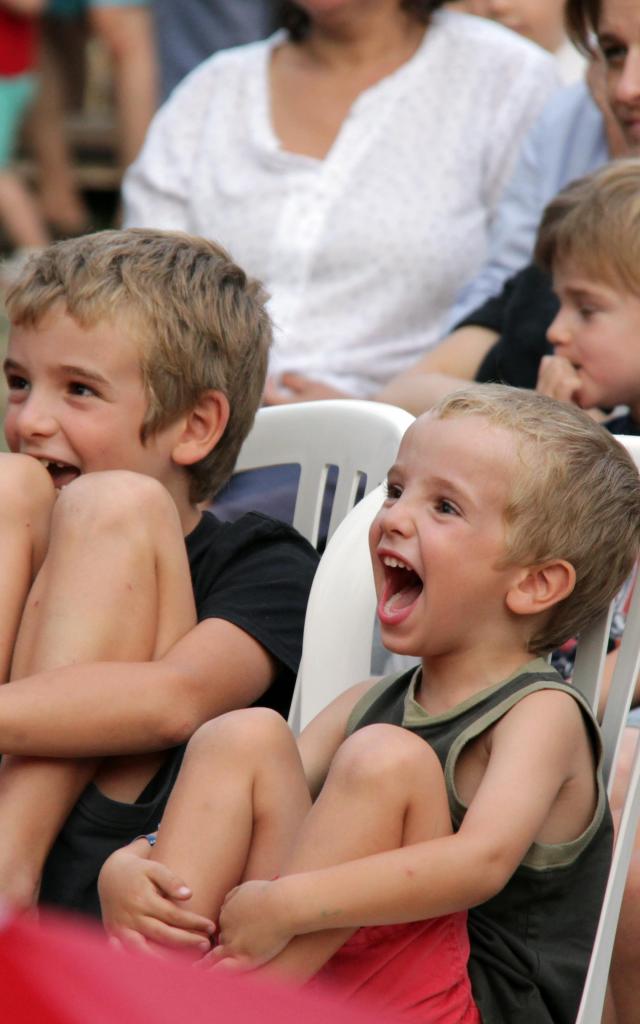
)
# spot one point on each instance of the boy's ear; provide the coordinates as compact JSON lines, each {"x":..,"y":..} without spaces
{"x":539,"y":587}
{"x":201,"y":428}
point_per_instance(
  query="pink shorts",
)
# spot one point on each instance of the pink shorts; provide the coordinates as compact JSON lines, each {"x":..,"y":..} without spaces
{"x":413,"y":972}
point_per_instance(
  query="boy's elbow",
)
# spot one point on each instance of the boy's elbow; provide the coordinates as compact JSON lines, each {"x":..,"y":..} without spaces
{"x":179,"y":712}
{"x":492,"y":869}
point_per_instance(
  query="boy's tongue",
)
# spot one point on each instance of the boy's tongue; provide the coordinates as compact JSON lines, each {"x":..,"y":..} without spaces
{"x":403,"y":598}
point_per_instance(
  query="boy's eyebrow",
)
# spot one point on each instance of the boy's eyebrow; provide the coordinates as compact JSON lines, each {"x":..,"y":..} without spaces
{"x":81,"y":371}
{"x":447,"y":484}
{"x":11,"y":364}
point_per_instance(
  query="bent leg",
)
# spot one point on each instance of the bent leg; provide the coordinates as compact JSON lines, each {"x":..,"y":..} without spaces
{"x":27,"y":497}
{"x":385,"y":790}
{"x":236,"y":807}
{"x":114,"y":586}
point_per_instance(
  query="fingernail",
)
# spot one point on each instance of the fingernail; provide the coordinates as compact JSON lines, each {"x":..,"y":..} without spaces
{"x":184,"y":890}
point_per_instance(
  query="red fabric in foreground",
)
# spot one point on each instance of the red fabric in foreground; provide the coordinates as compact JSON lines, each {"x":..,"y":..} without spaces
{"x":58,"y":971}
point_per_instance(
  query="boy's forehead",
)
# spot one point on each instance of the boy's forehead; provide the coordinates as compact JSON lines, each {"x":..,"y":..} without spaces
{"x":58,"y":335}
{"x":462,"y":443}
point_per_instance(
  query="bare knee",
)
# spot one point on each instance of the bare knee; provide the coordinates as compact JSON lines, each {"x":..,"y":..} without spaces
{"x":26,"y":489}
{"x":116,"y":502}
{"x":250,"y":734}
{"x":383,"y":757}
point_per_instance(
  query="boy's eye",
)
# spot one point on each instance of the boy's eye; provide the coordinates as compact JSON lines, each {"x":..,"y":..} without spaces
{"x":17,"y":383}
{"x":614,"y":54}
{"x":446,"y":507}
{"x":586,"y":312}
{"x":392,"y":490}
{"x":81,"y":390}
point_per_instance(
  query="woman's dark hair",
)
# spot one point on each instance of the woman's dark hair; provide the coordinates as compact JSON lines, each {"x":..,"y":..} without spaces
{"x":582,"y":18}
{"x":297,"y":21}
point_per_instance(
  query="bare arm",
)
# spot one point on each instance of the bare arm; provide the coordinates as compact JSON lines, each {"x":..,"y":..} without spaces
{"x":111,"y":708}
{"x":451,"y":364}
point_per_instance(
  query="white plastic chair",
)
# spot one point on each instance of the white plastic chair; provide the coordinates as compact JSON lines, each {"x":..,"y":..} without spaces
{"x":360,"y":438}
{"x":336,"y":653}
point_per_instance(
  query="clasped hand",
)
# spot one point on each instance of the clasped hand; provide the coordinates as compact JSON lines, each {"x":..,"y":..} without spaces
{"x":251,"y":928}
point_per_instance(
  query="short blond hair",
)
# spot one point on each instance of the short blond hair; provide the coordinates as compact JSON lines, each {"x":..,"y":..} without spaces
{"x":197,"y":320}
{"x":577,"y":498}
{"x":594,"y":225}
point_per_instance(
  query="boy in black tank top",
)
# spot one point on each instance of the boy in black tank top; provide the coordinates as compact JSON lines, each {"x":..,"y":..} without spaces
{"x":452,"y":866}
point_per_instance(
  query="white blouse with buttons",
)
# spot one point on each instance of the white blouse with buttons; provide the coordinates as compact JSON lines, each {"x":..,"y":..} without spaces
{"x":362,"y":252}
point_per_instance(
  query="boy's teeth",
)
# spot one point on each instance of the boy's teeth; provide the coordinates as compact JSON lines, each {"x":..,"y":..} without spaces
{"x":395,"y":563}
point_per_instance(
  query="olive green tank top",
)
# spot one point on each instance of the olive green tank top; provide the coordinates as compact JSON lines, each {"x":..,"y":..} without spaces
{"x":530,"y":944}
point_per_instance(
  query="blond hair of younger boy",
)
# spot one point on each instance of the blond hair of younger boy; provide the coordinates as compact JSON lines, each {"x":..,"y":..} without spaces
{"x":511,"y":520}
{"x":135,"y":365}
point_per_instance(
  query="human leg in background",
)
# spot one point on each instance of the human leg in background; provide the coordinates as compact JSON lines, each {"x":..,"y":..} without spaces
{"x":62,"y":53}
{"x":127,"y":32}
{"x":19,"y":215}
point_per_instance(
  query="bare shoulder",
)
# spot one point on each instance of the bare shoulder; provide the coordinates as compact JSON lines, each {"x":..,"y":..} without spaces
{"x":557,"y":711}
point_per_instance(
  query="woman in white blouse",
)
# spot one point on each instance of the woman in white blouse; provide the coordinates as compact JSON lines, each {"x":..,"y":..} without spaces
{"x":352,"y":162}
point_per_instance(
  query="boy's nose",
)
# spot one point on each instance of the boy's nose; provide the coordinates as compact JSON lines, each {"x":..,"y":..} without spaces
{"x":396,"y":518}
{"x":558,"y":333}
{"x":35,"y":419}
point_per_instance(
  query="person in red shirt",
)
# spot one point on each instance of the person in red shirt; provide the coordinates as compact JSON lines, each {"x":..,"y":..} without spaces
{"x":19,"y":216}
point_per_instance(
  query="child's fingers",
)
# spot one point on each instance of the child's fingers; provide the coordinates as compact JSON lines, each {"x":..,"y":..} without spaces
{"x":127,"y":938}
{"x":167,"y":882}
{"x":219,"y":957}
{"x":174,"y":938}
{"x":158,"y":906}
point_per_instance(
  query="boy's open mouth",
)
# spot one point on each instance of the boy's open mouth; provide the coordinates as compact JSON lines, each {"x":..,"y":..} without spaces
{"x":402,"y":588}
{"x":62,"y":473}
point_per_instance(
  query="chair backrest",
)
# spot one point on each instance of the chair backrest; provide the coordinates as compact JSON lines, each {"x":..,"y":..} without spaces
{"x":336,"y":653}
{"x":360,"y":438}
{"x":338,"y":630}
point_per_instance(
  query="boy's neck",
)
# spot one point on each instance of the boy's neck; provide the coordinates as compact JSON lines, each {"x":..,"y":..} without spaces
{"x":190,"y":514}
{"x":190,"y":519}
{"x":449,"y":679}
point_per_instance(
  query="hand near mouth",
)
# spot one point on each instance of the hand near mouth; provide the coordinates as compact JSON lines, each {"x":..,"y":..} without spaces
{"x":558,"y":378}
